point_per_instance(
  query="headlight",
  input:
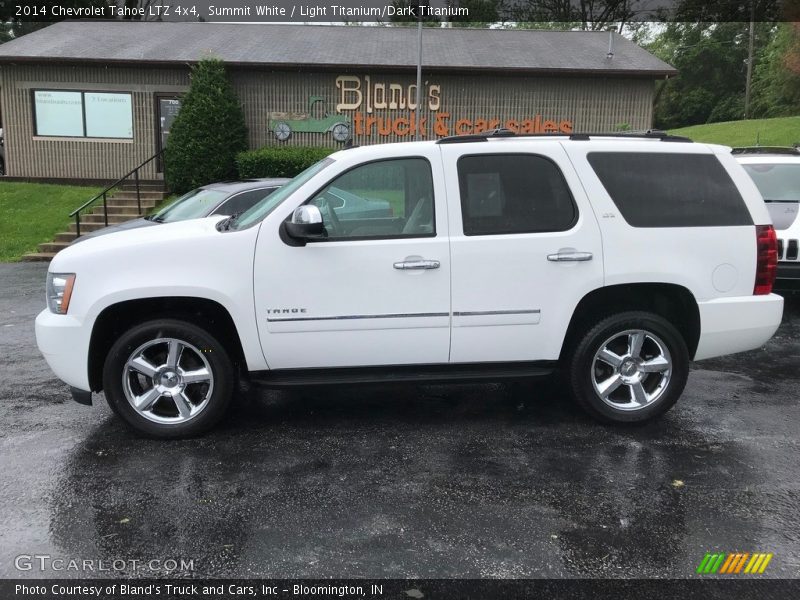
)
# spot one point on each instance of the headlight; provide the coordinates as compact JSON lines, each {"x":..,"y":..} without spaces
{"x":59,"y":291}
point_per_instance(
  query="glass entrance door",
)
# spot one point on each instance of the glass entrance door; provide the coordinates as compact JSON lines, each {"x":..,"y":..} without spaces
{"x":167,"y":108}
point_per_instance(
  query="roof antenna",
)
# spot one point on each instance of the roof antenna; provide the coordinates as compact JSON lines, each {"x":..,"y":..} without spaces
{"x":610,"y":53}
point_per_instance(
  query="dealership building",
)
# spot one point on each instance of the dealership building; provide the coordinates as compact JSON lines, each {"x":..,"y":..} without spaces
{"x":90,"y":100}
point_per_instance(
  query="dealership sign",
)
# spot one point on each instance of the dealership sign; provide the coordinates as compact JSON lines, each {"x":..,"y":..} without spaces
{"x":362,"y":97}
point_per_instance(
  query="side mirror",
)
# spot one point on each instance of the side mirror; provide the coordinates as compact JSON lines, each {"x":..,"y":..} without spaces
{"x":306,"y":223}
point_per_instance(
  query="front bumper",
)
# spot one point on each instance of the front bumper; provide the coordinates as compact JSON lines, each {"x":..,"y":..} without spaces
{"x":730,"y":325}
{"x":64,"y":342}
{"x":81,"y":396}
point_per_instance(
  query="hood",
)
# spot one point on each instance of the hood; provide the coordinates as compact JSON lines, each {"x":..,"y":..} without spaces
{"x":124,"y":242}
{"x":133,"y":224}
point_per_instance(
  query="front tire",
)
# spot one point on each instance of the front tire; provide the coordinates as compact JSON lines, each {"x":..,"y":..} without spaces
{"x":168,"y":379}
{"x":630,"y":367}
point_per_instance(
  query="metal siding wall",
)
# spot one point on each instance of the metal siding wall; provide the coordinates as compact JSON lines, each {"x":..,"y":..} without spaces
{"x":593,"y":104}
{"x":27,"y":156}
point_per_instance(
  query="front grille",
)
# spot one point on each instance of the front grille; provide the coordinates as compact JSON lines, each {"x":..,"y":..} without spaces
{"x":791,"y":250}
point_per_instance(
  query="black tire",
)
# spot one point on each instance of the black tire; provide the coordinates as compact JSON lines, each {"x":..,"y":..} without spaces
{"x":215,"y":396}
{"x":585,"y":374}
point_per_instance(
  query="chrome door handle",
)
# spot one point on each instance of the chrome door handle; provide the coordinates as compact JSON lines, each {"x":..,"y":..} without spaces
{"x":407,"y":265}
{"x":570,"y":257}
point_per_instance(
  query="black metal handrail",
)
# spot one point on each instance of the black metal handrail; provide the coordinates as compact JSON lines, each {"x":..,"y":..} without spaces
{"x":104,"y":195}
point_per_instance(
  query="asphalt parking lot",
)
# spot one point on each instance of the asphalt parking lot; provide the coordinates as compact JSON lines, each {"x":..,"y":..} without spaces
{"x":405,"y":481}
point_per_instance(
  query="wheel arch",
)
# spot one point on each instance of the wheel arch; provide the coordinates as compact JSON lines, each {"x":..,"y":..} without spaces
{"x":118,"y":318}
{"x":671,"y":301}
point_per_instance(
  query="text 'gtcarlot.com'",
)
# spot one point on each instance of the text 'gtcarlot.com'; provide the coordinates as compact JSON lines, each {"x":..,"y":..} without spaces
{"x":46,"y":562}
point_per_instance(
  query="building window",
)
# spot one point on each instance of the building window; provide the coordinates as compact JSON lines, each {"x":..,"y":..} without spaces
{"x":513,"y":193}
{"x":83,"y":114}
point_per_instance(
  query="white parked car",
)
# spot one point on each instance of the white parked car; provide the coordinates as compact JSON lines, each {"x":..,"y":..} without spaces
{"x":776,"y":173}
{"x":618,"y":259}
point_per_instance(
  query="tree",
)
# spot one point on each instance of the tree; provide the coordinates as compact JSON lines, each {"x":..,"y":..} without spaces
{"x":208,"y":132}
{"x":591,"y":14}
{"x":711,"y":59}
{"x":14,"y":26}
{"x":776,"y":80}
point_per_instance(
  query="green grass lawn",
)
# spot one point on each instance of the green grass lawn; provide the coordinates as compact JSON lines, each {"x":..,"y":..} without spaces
{"x":32,"y":213}
{"x":784,"y":131}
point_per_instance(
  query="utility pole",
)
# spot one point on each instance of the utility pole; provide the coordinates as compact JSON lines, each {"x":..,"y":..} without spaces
{"x":419,"y":70}
{"x":750,"y":59}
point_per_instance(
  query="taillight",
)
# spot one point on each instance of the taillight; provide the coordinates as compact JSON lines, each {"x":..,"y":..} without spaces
{"x":766,"y":259}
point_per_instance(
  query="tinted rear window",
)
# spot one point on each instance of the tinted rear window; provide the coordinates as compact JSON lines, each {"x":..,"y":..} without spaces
{"x":513,"y":193}
{"x":670,"y":190}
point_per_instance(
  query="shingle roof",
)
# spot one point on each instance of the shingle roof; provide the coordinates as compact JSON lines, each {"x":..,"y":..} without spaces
{"x":285,"y":46}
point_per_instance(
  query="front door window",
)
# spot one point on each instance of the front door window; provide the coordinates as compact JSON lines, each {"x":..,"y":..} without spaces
{"x":387,"y":198}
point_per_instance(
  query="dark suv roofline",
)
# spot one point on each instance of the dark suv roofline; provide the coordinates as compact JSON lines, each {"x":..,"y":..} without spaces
{"x":650,"y":134}
{"x":244,"y":184}
{"x":787,"y":150}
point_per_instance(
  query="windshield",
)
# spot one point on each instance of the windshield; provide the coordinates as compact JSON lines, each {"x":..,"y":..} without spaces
{"x":779,"y":184}
{"x":194,"y":205}
{"x":266,"y":206}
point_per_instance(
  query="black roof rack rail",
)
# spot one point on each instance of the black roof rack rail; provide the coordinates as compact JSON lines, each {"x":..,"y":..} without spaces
{"x":477,"y":137}
{"x":650,"y":134}
{"x":793,"y":150}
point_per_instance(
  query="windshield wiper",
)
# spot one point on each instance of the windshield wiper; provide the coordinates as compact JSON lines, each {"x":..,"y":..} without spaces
{"x":154,"y":218}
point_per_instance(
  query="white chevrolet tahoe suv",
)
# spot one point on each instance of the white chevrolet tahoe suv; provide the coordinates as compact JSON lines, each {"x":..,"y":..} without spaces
{"x":619,"y":259}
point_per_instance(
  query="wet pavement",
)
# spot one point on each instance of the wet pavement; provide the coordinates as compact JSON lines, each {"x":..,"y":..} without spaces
{"x":404,"y":481}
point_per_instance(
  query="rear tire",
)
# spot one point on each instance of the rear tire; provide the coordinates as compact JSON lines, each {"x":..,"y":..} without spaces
{"x":630,"y":367}
{"x":168,"y":379}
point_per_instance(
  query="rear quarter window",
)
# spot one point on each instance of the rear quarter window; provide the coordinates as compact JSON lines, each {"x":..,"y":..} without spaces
{"x":670,"y":190}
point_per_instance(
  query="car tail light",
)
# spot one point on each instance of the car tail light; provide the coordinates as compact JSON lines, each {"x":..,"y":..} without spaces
{"x":766,"y":259}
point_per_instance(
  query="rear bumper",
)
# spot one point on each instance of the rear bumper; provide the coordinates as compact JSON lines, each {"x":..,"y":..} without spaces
{"x":788,"y":279}
{"x":64,"y":342}
{"x":730,"y":325}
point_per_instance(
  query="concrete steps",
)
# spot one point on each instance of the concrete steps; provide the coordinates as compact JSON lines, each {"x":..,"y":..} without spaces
{"x":38,"y":256}
{"x":122,"y":206}
{"x":113,"y":217}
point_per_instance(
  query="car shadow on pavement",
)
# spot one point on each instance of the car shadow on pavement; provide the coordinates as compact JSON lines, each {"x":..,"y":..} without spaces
{"x":447,"y":481}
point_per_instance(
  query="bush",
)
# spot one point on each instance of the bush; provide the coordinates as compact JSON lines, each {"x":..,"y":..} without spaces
{"x":208,"y":132}
{"x":272,"y":161}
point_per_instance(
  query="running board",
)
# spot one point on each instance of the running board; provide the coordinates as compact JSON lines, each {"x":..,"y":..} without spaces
{"x":443,"y":373}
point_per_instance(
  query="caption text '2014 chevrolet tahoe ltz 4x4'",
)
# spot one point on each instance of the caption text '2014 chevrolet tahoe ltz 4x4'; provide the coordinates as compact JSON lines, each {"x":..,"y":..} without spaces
{"x":619,"y":259}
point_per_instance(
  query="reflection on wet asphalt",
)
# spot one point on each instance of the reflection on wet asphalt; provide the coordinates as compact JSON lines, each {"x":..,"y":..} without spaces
{"x":424,"y":481}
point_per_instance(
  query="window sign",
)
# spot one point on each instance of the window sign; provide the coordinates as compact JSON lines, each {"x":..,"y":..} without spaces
{"x":83,"y":114}
{"x":58,"y":113}
{"x":108,"y":115}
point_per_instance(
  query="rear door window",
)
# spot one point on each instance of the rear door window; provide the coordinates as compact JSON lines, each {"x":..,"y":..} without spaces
{"x":513,"y":193}
{"x":670,"y":190}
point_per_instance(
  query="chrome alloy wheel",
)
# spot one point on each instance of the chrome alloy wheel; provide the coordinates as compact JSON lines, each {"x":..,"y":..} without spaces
{"x":631,"y":370}
{"x":167,"y":380}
